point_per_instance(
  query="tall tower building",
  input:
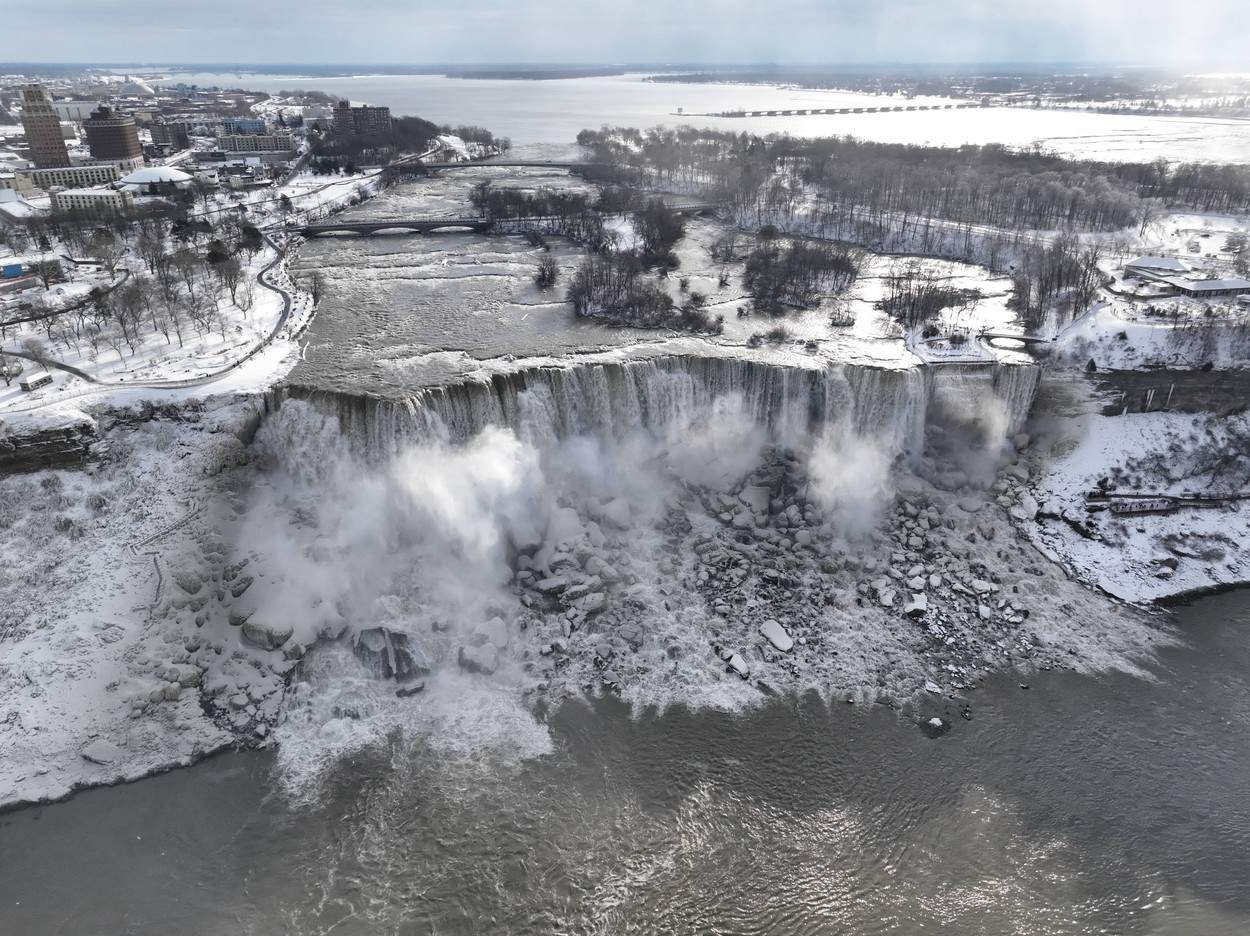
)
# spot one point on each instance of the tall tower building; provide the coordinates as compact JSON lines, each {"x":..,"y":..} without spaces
{"x":112,"y":136}
{"x":43,"y":129}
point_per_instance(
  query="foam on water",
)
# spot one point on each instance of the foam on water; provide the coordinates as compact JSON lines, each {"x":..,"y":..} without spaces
{"x":409,"y":516}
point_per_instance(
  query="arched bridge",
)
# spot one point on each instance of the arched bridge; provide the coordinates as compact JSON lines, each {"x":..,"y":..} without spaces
{"x":410,"y":225}
{"x":1015,"y":336}
{"x":428,"y":225}
{"x":512,"y":164}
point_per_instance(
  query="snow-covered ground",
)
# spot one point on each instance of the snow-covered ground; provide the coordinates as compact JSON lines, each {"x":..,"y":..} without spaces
{"x":1145,"y":557}
{"x":91,"y":688}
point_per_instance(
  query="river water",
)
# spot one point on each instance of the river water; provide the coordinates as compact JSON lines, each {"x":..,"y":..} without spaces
{"x":1111,"y":804}
{"x":544,"y":117}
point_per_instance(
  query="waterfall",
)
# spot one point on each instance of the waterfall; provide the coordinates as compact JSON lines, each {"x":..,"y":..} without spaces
{"x":551,"y":402}
{"x":1015,"y":387}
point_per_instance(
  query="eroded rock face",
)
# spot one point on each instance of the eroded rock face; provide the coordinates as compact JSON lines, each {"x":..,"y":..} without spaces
{"x":388,"y":654}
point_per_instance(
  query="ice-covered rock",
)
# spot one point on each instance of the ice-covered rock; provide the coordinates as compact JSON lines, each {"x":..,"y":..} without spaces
{"x":103,"y":752}
{"x":616,"y":513}
{"x":777,"y":636}
{"x":494,"y":631}
{"x":267,"y":635}
{"x":1025,"y":507}
{"x":483,"y":659}
{"x":755,"y":497}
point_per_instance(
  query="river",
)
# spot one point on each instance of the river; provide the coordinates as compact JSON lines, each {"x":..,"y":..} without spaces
{"x":1085,"y":804}
{"x":544,"y":117}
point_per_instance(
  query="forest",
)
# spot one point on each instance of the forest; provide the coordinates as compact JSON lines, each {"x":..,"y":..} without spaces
{"x":994,"y":185}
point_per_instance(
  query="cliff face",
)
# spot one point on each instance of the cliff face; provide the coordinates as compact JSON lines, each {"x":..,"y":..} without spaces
{"x":35,"y":448}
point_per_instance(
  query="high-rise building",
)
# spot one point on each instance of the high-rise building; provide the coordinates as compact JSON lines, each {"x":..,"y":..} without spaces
{"x":172,"y":133}
{"x":43,"y":129}
{"x":111,"y":135}
{"x":360,"y":120}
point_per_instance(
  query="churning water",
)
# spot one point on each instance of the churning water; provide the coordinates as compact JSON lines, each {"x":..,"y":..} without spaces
{"x":1112,"y":804}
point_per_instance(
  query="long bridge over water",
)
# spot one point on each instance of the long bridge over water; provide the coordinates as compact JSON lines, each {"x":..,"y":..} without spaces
{"x":814,"y":111}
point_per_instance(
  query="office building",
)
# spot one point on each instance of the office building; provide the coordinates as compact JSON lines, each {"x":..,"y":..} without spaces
{"x":43,"y":129}
{"x":360,"y":120}
{"x":111,"y":135}
{"x":255,"y":143}
{"x":92,"y":201}
{"x":72,"y":176}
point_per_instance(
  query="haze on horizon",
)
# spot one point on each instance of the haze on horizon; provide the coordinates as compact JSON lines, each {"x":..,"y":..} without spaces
{"x":1213,"y":36}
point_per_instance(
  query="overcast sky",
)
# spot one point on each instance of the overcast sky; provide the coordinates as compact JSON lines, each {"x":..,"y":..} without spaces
{"x":1213,"y":33}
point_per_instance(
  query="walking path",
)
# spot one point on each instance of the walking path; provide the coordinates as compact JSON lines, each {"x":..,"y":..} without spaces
{"x":281,"y":285}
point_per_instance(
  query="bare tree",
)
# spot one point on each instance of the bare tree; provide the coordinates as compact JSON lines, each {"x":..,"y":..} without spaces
{"x":230,"y":272}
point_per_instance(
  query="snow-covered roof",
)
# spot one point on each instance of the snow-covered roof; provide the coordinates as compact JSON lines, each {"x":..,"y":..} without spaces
{"x":1211,"y":285}
{"x":161,"y":175}
{"x":1170,"y":264}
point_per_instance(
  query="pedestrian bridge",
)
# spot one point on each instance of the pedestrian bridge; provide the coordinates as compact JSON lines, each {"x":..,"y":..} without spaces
{"x":1015,"y":336}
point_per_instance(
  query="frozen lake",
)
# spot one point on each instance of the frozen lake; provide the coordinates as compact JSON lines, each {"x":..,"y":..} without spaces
{"x":547,"y":115}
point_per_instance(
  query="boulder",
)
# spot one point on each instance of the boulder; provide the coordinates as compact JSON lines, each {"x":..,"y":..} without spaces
{"x":483,"y":659}
{"x":266,"y":635}
{"x":755,"y":497}
{"x":917,"y":605}
{"x":102,"y":752}
{"x":616,"y":513}
{"x":595,"y":601}
{"x":935,"y":727}
{"x":1025,"y":508}
{"x":187,"y":579}
{"x":777,"y":636}
{"x":494,"y":631}
{"x":739,"y":665}
{"x":389,"y":654}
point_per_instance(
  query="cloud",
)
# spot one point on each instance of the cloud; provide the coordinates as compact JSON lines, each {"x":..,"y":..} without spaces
{"x":642,"y":31}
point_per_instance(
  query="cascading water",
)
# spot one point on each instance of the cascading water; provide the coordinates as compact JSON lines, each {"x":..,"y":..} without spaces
{"x":613,"y":399}
{"x":446,"y":524}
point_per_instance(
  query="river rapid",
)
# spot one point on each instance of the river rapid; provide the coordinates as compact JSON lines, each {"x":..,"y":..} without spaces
{"x":1080,"y":804}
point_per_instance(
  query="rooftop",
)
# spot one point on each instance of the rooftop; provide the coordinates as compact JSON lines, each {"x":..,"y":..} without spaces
{"x":1159,"y":263}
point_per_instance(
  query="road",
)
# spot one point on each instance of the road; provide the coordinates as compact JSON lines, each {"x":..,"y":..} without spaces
{"x":265,"y":278}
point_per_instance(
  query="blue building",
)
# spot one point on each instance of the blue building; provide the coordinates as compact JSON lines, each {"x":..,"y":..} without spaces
{"x":243,"y":125}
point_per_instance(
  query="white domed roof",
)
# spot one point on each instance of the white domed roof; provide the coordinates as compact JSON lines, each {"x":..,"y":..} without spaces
{"x":161,"y":175}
